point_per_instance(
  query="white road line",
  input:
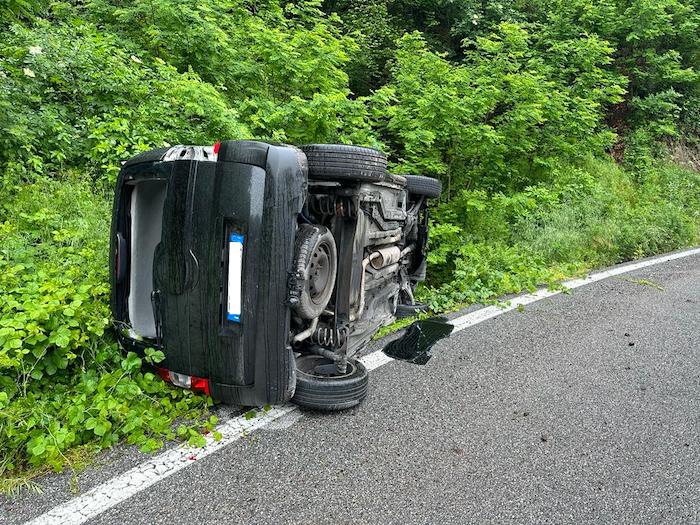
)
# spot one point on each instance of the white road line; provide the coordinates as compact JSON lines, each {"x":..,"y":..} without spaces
{"x":483,"y":314}
{"x":102,"y":497}
{"x":118,"y":489}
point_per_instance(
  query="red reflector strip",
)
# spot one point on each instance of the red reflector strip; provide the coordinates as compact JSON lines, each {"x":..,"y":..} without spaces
{"x":199,"y":384}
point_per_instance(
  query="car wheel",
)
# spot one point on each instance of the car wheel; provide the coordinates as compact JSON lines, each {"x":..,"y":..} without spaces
{"x":316,"y":259}
{"x":345,"y":163}
{"x":318,"y":386}
{"x":426,"y":186}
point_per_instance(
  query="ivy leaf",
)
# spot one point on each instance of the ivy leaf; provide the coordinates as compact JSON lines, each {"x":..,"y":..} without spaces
{"x":131,"y":362}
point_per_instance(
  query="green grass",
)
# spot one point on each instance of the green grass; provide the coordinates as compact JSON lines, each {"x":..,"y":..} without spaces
{"x":591,"y":216}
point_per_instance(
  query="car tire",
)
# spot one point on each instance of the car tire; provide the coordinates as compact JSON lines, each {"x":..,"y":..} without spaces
{"x":328,"y":392}
{"x":316,"y":258}
{"x":425,"y":186}
{"x":340,"y":162}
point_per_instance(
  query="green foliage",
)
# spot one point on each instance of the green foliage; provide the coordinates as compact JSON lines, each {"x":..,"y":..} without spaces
{"x":656,"y":49}
{"x":652,"y":48}
{"x":280,"y":66}
{"x":504,"y":118}
{"x":596,"y":214}
{"x":63,"y":381}
{"x":53,"y":282}
{"x":374,"y":30}
{"x":13,"y":10}
{"x":58,"y":109}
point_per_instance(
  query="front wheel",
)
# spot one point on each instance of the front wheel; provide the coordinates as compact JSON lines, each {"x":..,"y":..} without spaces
{"x":320,"y":388}
{"x":425,"y":186}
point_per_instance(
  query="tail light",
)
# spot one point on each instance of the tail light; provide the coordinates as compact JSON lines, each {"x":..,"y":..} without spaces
{"x":197,"y":384}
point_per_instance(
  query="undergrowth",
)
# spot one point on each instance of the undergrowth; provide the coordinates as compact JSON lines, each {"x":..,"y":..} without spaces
{"x":596,"y":214}
{"x":64,"y":384}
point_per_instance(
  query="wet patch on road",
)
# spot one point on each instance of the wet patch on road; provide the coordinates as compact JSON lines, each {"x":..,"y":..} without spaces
{"x":416,"y":344}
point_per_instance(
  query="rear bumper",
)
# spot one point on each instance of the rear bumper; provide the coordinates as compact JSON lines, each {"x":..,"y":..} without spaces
{"x":253,"y":191}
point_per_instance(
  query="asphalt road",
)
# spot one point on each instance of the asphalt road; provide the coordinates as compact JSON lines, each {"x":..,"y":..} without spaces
{"x":583,"y":408}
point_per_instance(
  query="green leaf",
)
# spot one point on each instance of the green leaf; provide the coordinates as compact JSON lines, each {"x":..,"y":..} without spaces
{"x":131,"y":362}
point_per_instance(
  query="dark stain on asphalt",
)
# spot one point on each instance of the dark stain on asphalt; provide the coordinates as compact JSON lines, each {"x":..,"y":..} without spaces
{"x":415,"y":346}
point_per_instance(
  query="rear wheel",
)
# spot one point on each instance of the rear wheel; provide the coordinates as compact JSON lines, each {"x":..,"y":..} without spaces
{"x":321,"y":388}
{"x":345,"y":163}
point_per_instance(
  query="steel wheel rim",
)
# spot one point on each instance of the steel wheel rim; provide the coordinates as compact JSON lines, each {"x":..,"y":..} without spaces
{"x":319,"y":273}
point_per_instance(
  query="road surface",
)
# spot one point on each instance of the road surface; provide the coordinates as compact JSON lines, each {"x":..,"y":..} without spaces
{"x":583,"y":408}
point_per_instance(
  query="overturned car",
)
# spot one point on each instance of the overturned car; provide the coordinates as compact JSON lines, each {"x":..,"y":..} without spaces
{"x":261,"y":270}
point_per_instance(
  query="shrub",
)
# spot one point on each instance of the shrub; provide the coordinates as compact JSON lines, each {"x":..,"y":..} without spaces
{"x":281,"y":66}
{"x":596,"y":214}
{"x":63,"y":381}
{"x":505,"y":118}
{"x":58,"y":108}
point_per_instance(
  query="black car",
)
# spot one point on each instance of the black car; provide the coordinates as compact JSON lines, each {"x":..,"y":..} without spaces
{"x":262,"y":270}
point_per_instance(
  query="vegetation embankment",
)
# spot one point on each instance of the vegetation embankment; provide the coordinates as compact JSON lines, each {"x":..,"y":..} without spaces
{"x":556,"y":129}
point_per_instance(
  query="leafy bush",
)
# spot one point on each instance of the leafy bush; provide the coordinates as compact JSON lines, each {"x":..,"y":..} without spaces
{"x":280,"y":66}
{"x":63,"y":381}
{"x":596,"y":214}
{"x":504,"y":119}
{"x":58,"y":108}
{"x":654,"y":47}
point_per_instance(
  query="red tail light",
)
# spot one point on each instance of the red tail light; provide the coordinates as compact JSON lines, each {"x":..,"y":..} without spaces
{"x":216,"y":148}
{"x":198,"y":384}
